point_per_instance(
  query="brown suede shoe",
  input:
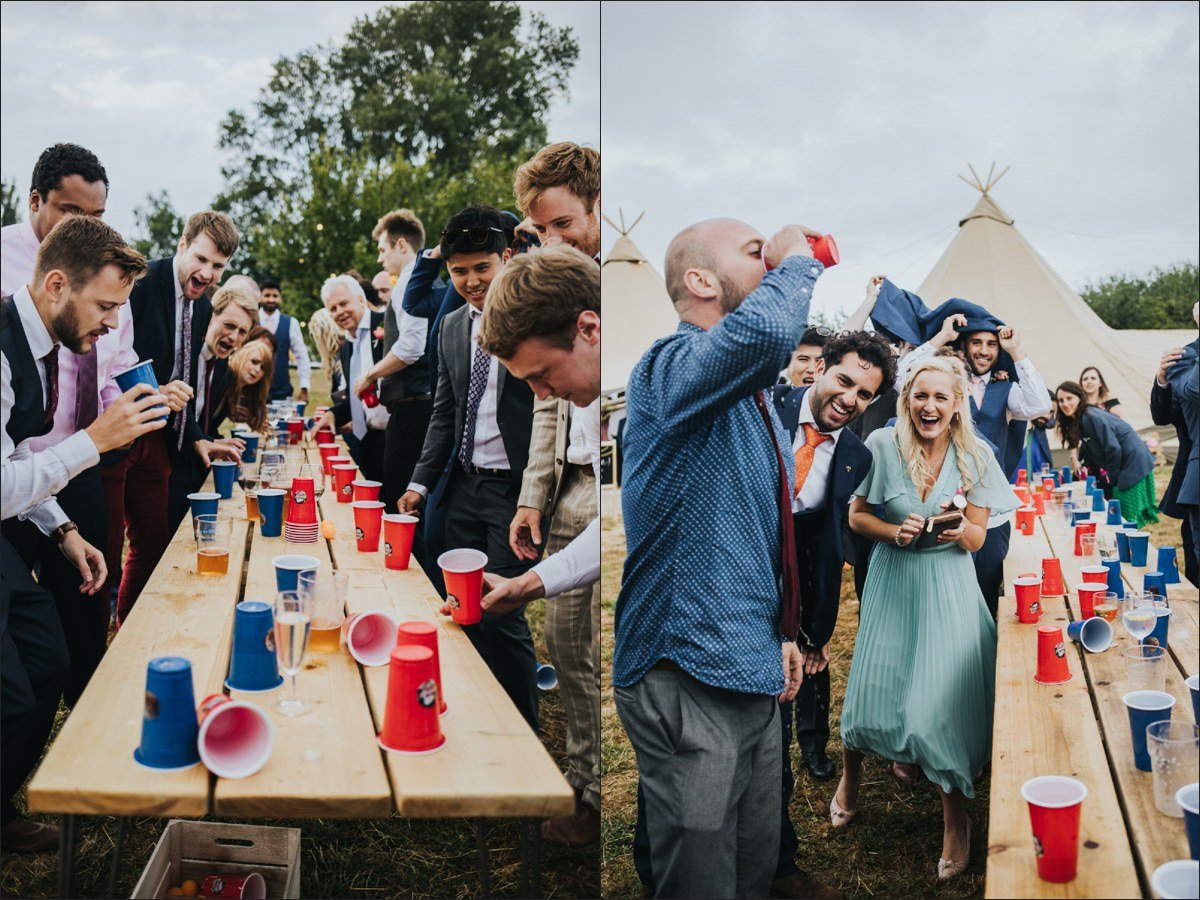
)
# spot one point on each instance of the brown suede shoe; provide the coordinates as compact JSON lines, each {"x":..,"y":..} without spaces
{"x":579,"y":829}
{"x":23,"y":835}
{"x":800,"y":884}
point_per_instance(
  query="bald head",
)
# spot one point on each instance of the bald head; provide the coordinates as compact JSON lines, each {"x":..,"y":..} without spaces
{"x":382,"y":282}
{"x":717,"y":259}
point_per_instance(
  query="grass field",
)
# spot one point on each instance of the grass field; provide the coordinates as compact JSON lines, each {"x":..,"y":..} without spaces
{"x":893,"y":846}
{"x":349,"y":858}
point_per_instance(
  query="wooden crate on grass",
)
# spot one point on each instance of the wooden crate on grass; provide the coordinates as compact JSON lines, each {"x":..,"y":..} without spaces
{"x":198,"y":849}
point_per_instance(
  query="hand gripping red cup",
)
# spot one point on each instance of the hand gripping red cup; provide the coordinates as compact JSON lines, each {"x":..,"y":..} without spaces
{"x":1052,"y":580}
{"x":424,"y":634}
{"x":1054,"y":807}
{"x":365,"y":489}
{"x":1052,"y":665}
{"x":1028,"y":589}
{"x":245,"y":887}
{"x":824,"y":250}
{"x":463,"y":571}
{"x":410,"y":715}
{"x":1025,"y":519}
{"x":236,"y":738}
{"x":368,"y":520}
{"x":1088,"y":592}
{"x":343,"y":481}
{"x":370,"y":636}
{"x":398,"y":533}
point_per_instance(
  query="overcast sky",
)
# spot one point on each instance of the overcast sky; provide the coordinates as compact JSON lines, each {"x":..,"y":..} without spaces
{"x":146,"y":85}
{"x":856,"y":118}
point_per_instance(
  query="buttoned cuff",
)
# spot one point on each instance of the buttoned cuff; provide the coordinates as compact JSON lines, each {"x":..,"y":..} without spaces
{"x":419,"y":488}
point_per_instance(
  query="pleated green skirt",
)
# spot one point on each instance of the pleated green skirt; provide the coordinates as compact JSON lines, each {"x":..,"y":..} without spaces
{"x":1138,"y":503}
{"x":922,"y":679}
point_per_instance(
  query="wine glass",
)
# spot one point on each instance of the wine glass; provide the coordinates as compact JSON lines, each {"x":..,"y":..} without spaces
{"x":1138,"y":616}
{"x":293,"y":620}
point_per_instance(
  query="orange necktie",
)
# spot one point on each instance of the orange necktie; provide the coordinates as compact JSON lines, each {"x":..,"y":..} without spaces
{"x":805,"y":455}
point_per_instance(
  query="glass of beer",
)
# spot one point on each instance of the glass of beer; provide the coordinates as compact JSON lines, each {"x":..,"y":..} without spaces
{"x":293,"y":619}
{"x":212,"y":544}
{"x":327,"y":593}
{"x":248,"y":479}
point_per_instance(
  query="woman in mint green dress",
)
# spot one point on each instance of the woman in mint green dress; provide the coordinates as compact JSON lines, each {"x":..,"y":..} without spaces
{"x":922,"y":679}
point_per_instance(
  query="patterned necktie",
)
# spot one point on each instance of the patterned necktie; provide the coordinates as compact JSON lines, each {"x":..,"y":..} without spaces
{"x":789,"y":614}
{"x":183,"y":365}
{"x":50,"y":361}
{"x":481,"y":363}
{"x":806,"y":454}
{"x":87,"y":391}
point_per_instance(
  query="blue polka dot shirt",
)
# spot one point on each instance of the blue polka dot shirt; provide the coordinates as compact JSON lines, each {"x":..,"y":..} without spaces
{"x":700,"y":494}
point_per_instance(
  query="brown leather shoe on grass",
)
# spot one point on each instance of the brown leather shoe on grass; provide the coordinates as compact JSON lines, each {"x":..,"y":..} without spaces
{"x":801,"y":884}
{"x":23,"y":835}
{"x":579,"y":829}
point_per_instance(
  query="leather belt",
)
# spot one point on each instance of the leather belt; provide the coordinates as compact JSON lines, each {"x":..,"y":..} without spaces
{"x":479,"y":470}
{"x":669,"y":664}
{"x":411,"y":399}
{"x":582,"y":468}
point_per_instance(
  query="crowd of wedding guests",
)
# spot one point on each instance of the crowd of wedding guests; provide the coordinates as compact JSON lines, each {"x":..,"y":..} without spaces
{"x":487,"y":423}
{"x":893,"y":450}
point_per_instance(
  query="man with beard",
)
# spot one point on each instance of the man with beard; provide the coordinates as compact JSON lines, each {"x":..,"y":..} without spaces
{"x":171,"y":311}
{"x":382,"y":282}
{"x":288,"y":339}
{"x":709,"y":610}
{"x":559,"y":191}
{"x":83,"y":273}
{"x":831,"y":461}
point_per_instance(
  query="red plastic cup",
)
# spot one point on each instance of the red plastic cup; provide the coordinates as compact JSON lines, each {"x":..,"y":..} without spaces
{"x":1054,"y":805}
{"x":463,"y":571}
{"x":1048,"y":485}
{"x":1052,"y":580}
{"x":824,"y":250}
{"x":1022,"y":477}
{"x":370,"y":636}
{"x":1080,"y":530}
{"x":365,"y":489}
{"x":367,"y":523}
{"x":1025,"y":519}
{"x":236,"y":738}
{"x":303,"y":507}
{"x":295,"y":429}
{"x":1028,"y":589}
{"x":424,"y":634}
{"x":1087,"y":597}
{"x":245,"y":887}
{"x":324,"y":437}
{"x":328,"y":452}
{"x":410,"y":717}
{"x":343,"y":482}
{"x":370,"y":397}
{"x":398,"y":533}
{"x":1052,"y":665}
{"x":1039,"y":504}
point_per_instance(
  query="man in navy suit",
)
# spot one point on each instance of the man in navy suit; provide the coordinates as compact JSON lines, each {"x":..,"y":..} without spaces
{"x":1173,"y":401}
{"x":831,"y":461}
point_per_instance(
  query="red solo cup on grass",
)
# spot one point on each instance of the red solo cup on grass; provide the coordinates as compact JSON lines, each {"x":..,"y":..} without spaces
{"x":365,"y":489}
{"x":1052,"y":665}
{"x":303,"y":507}
{"x":245,"y":887}
{"x":324,"y":437}
{"x":1054,"y":804}
{"x":370,"y":636}
{"x":410,"y":717}
{"x":1052,"y":580}
{"x":463,"y":571}
{"x":295,"y":428}
{"x":236,"y":738}
{"x":328,"y":452}
{"x":398,"y":532}
{"x":368,"y":516}
{"x":424,"y":634}
{"x":1025,"y":519}
{"x":1087,"y":597}
{"x":343,"y":482}
{"x":1028,"y":589}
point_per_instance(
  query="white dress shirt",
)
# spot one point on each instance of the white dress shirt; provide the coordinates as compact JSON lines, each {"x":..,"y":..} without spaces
{"x":413,"y":330}
{"x":28,"y":478}
{"x":299,"y":349}
{"x":812,"y":495}
{"x":578,"y":563}
{"x":489,"y":452}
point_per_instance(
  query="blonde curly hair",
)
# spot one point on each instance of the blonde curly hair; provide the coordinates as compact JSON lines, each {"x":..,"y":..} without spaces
{"x":328,"y":338}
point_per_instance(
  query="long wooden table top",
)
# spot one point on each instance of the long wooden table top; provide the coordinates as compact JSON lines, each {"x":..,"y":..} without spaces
{"x":324,"y":764}
{"x":1079,"y":729}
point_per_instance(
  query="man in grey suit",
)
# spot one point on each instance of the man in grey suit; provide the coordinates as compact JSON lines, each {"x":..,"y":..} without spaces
{"x":1177,"y":381}
{"x":481,"y":425}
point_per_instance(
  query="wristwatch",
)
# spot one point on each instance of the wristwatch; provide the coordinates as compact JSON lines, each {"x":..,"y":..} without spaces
{"x":63,"y":530}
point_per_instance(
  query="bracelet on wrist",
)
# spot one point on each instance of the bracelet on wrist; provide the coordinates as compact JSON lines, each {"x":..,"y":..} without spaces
{"x":896,"y":538}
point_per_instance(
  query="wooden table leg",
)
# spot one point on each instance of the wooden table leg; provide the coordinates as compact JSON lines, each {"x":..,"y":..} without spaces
{"x":485,"y":875}
{"x":66,"y":857}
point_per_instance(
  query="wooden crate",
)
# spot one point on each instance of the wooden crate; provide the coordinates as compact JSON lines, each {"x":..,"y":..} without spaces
{"x":199,"y":849}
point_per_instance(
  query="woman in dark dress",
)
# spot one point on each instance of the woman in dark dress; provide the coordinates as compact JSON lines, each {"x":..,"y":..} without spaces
{"x":1096,"y":388}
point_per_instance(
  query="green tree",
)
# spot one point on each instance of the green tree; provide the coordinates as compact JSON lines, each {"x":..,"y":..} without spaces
{"x":10,"y":202}
{"x":1161,"y":299}
{"x":159,"y":226}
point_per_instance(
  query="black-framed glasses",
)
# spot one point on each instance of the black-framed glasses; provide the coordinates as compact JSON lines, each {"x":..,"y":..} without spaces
{"x":479,"y":235}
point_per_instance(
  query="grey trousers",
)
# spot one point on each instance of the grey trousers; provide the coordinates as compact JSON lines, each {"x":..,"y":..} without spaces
{"x":709,"y":763}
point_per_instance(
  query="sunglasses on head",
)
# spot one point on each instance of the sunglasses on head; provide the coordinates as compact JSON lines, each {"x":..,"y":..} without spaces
{"x":479,"y":235}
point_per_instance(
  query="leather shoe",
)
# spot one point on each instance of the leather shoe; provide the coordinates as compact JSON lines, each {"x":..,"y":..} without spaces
{"x":23,"y":835}
{"x":579,"y":829}
{"x":820,"y":766}
{"x":800,"y":884}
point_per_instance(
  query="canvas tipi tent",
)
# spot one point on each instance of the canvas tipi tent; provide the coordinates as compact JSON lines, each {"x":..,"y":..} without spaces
{"x":990,"y":263}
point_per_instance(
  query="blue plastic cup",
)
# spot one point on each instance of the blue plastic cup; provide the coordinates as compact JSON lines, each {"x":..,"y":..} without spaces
{"x":1139,"y":548}
{"x":547,"y":677}
{"x":1158,"y":637}
{"x":204,"y":503}
{"x":1145,"y":708}
{"x":1114,"y":512}
{"x":288,"y":569}
{"x":1095,"y":634}
{"x":1090,"y":484}
{"x":1123,"y":544}
{"x":1081,"y":515}
{"x":1188,"y":798}
{"x":250,"y":454}
{"x":1193,"y":684}
{"x":224,"y":475}
{"x":1115,"y":583}
{"x":169,"y":725}
{"x":142,"y":373}
{"x":270,"y":511}
{"x":1167,"y":564}
{"x":1098,"y":501}
{"x":1155,"y":583}
{"x":252,"y":664}
{"x":1066,"y":475}
{"x":301,"y":405}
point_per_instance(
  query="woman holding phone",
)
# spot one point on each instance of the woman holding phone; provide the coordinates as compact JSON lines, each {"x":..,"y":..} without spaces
{"x":921,"y":685}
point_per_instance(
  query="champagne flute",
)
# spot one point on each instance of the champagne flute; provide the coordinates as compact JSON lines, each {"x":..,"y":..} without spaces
{"x":293,"y":620}
{"x":1138,"y":616}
